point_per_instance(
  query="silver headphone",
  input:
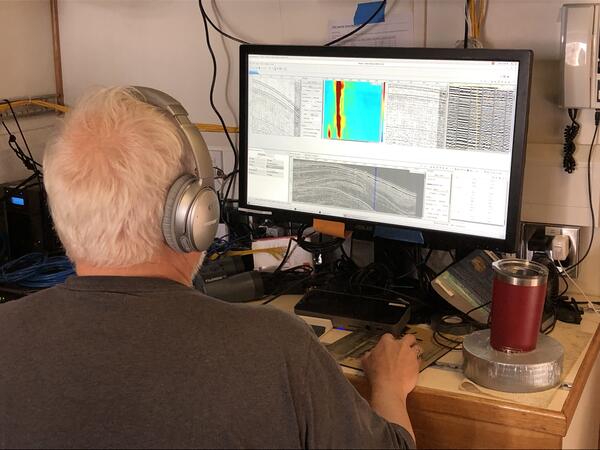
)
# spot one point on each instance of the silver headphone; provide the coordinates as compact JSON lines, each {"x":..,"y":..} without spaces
{"x":192,"y":211}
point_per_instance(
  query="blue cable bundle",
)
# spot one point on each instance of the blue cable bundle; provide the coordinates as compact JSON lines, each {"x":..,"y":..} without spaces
{"x":36,"y":271}
{"x":21,"y":268}
{"x":223,"y":244}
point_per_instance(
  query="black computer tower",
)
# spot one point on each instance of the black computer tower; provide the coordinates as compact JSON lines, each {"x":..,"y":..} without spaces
{"x":27,"y":221}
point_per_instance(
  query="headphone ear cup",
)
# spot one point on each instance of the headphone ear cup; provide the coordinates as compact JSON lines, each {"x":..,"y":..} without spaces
{"x":205,"y":213}
{"x":170,"y":211}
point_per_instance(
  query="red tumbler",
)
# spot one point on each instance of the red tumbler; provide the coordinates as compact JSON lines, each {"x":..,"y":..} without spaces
{"x":517,"y":304}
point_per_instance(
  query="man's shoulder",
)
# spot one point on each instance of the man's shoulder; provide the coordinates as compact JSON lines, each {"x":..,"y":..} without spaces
{"x":168,"y":301}
{"x":262,"y":325}
{"x":260,"y":319}
{"x":28,"y":301}
{"x":17,"y":316}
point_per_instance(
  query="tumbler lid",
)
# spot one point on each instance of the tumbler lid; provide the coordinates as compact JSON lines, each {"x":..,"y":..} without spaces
{"x":520,"y":272}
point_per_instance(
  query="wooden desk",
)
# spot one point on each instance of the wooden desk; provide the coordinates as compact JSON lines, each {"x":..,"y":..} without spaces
{"x":445,"y":416}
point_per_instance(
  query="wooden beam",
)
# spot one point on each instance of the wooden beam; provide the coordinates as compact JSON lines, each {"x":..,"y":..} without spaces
{"x":56,"y":48}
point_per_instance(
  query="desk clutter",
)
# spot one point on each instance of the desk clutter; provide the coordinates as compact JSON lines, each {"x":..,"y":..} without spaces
{"x":535,"y":370}
{"x":349,"y":350}
{"x":455,"y":309}
{"x":369,"y":299}
{"x":512,"y":355}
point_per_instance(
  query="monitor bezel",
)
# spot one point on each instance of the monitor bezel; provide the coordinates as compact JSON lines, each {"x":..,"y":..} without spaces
{"x":433,"y":238}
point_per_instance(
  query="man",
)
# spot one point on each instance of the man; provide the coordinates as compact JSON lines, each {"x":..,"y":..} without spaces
{"x":127,"y":354}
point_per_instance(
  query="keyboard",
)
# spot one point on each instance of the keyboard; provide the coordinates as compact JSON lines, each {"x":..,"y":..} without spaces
{"x":349,"y":350}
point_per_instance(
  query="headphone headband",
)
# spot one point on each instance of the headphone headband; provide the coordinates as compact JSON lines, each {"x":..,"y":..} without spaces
{"x":191,"y":212}
{"x":191,"y":135}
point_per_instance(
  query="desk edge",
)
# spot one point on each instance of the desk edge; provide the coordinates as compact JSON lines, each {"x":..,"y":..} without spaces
{"x":581,"y":378}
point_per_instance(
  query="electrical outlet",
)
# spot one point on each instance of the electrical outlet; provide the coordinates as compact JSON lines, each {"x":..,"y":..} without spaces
{"x":535,"y":231}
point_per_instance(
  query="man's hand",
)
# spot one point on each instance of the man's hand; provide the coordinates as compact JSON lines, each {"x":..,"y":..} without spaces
{"x":393,"y":368}
{"x":393,"y":364}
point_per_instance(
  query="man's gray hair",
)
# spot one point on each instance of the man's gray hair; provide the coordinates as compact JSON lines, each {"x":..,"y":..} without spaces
{"x":107,"y":173}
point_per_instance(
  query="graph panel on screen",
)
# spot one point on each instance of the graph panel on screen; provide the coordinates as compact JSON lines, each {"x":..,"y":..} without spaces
{"x":420,"y":141}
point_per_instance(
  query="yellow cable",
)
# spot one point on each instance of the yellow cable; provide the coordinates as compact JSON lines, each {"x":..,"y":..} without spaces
{"x":15,"y":104}
{"x":205,"y":127}
{"x":472,"y":17}
{"x":482,"y":12}
{"x":34,"y":101}
{"x":214,"y":128}
{"x":48,"y":105}
{"x":276,"y":252}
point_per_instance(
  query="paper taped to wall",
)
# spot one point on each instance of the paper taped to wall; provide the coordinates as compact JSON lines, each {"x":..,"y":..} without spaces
{"x":396,"y":31}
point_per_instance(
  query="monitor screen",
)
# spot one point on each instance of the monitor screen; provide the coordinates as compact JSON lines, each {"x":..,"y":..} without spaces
{"x":431,"y":140}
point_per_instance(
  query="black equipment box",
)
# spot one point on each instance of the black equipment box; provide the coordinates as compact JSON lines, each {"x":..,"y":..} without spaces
{"x":28,"y":223}
{"x":355,"y":312}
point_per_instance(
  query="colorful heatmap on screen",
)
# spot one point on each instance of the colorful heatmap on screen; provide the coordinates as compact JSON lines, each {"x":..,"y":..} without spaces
{"x":353,"y":110}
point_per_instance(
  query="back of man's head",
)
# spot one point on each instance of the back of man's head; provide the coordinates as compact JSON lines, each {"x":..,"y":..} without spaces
{"x":107,"y":174}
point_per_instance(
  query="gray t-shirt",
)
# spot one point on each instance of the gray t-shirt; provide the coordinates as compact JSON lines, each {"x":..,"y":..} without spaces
{"x":146,"y":362}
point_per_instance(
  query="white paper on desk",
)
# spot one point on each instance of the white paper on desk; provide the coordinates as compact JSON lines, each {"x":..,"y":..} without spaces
{"x":397,"y":30}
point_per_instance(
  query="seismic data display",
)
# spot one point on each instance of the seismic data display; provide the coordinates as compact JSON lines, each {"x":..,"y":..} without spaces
{"x":353,"y":110}
{"x":363,"y":188}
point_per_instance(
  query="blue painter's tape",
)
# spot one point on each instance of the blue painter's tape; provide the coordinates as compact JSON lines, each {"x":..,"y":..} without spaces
{"x":366,"y":10}
{"x":399,"y":234}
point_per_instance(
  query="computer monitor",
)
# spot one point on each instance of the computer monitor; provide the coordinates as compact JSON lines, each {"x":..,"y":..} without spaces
{"x":430,"y":140}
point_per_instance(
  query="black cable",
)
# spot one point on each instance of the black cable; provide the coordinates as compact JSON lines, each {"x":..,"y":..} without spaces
{"x":564,"y":278}
{"x":229,"y":36}
{"x":591,"y":202}
{"x":19,"y":127}
{"x":368,"y":21}
{"x":452,"y":255}
{"x":317,"y":247}
{"x":466,"y":37}
{"x":447,"y":338}
{"x":429,"y":252}
{"x":213,"y":106}
{"x":302,"y":268}
{"x":285,"y":256}
{"x":448,"y":347}
{"x":402,"y":298}
{"x":571,"y":131}
{"x":468,"y":313}
{"x":29,"y":163}
{"x":206,"y":21}
{"x":550,"y":327}
{"x":335,"y":41}
{"x":287,"y":288}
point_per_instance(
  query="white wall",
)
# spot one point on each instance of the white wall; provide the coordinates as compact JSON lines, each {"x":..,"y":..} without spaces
{"x":161,"y":44}
{"x":27,"y":70}
{"x":549,"y":194}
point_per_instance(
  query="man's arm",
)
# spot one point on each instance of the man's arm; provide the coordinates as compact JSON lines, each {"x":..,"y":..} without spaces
{"x":332,"y":414}
{"x":392,"y":368}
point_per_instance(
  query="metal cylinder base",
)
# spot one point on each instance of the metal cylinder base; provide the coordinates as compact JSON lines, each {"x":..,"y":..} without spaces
{"x":533,"y":371}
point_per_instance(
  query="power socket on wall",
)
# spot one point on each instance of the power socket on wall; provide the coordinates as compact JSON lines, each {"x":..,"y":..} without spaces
{"x":534,"y":231}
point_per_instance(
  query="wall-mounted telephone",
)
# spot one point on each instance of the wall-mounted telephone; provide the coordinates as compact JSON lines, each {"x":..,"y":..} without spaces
{"x":580,"y":56}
